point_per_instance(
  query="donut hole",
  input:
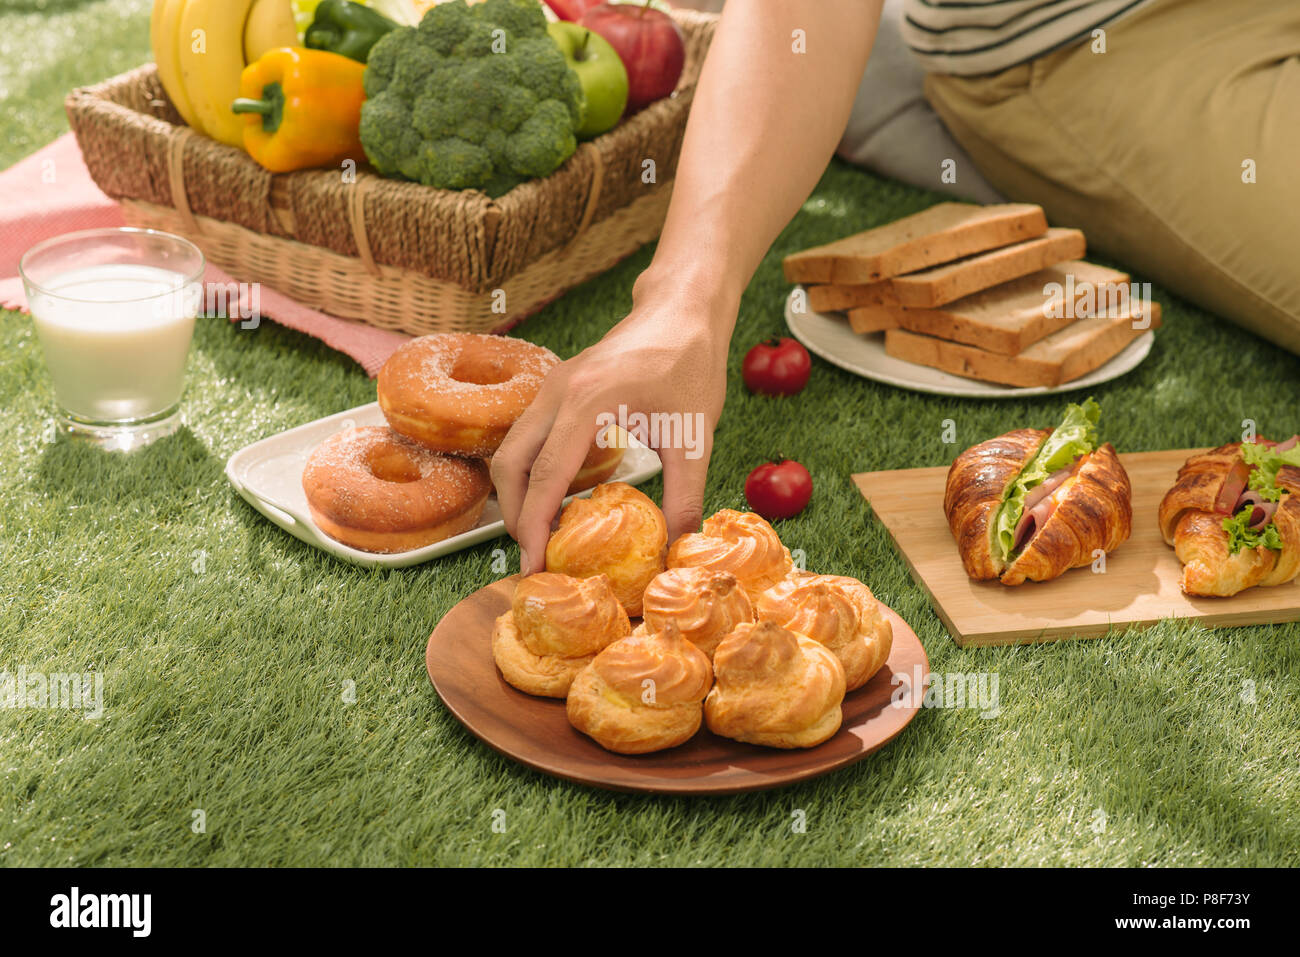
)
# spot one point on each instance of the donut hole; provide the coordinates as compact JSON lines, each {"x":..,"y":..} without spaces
{"x":389,"y":463}
{"x":480,"y":370}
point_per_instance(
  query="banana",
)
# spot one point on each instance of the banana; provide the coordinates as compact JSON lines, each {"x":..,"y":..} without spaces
{"x":270,"y":25}
{"x":162,"y":34}
{"x":210,"y":39}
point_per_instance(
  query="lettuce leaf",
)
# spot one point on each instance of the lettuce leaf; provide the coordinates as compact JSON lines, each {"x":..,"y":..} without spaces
{"x":1239,"y":536}
{"x":1075,"y":436}
{"x":1267,"y":462}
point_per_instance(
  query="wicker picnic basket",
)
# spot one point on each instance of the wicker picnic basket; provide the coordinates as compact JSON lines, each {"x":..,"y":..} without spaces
{"x":393,"y":254}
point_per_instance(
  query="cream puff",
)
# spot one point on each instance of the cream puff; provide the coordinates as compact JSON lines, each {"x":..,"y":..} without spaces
{"x":554,"y":628}
{"x":705,"y":605}
{"x":741,"y":543}
{"x":775,"y":688}
{"x":839,"y":612}
{"x":642,"y":693}
{"x":618,"y":532}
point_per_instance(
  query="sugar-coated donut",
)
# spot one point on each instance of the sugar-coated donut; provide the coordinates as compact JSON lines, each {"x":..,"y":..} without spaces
{"x":602,"y":461}
{"x":375,"y":490}
{"x":459,"y":392}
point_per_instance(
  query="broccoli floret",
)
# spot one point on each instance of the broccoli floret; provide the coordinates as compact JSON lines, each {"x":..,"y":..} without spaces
{"x":474,"y":97}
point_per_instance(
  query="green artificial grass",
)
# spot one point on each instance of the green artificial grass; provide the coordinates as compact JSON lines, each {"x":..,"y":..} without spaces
{"x":283,"y":693}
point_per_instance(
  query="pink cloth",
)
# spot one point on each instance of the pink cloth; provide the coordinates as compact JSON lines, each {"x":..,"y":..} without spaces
{"x":51,"y":192}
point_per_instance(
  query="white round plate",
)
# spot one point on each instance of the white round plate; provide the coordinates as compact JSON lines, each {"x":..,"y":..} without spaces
{"x":828,"y":335}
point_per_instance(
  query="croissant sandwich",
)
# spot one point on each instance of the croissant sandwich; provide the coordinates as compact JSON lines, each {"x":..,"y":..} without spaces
{"x":1233,"y":517}
{"x":1033,"y":503}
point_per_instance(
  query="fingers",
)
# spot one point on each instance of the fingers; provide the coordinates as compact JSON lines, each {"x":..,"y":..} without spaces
{"x":549,"y":478}
{"x":514,"y":459}
{"x":685,"y":473}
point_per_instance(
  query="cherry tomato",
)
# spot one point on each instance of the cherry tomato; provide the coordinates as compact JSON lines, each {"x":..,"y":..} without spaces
{"x":777,"y":367}
{"x":778,"y":489}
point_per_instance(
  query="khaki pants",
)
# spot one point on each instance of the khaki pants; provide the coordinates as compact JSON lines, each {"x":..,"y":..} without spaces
{"x":1146,"y":147}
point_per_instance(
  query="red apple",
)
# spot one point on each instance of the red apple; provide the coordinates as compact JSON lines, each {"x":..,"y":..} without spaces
{"x":650,"y":44}
{"x":571,"y":10}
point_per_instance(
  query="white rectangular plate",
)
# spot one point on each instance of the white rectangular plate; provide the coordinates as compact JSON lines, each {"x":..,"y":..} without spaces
{"x":268,"y":474}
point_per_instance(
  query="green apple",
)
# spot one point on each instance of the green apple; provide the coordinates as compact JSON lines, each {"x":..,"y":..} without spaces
{"x":600,"y":71}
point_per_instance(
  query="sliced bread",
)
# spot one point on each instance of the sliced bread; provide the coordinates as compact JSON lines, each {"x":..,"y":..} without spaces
{"x":940,"y":285}
{"x":1012,"y":316}
{"x":1061,"y":357}
{"x":940,"y":234}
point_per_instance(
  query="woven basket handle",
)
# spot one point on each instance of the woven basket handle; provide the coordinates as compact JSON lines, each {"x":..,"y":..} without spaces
{"x":357,"y":217}
{"x":180,"y":138}
{"x":593,"y":195}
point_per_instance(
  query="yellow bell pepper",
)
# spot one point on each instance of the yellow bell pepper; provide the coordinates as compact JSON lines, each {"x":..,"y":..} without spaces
{"x":302,"y":109}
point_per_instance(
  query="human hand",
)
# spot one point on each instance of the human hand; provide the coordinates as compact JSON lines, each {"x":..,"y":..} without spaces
{"x":668,"y":357}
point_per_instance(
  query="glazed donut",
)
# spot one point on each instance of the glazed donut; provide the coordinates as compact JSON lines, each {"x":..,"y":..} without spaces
{"x":378,"y":491}
{"x":459,"y":393}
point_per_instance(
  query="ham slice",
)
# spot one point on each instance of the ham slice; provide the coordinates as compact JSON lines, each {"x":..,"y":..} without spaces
{"x":1234,"y":488}
{"x":1041,"y":502}
{"x":1233,"y":485}
{"x":1046,"y":487}
{"x":1248,"y":497}
{"x":1261,"y":516}
{"x":1032,"y":519}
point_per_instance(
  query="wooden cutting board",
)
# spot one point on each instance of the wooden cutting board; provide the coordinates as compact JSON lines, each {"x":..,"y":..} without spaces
{"x":1139,"y":587}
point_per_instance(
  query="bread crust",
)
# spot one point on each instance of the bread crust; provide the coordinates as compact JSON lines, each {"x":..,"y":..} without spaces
{"x":1197,"y":486}
{"x":1189,"y":522}
{"x":1095,"y":513}
{"x":977,"y":480}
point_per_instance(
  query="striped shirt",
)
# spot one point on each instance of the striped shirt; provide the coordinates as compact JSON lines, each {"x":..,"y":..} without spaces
{"x":983,"y":36}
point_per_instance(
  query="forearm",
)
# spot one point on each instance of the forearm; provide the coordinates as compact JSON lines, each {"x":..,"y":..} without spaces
{"x":764,"y":123}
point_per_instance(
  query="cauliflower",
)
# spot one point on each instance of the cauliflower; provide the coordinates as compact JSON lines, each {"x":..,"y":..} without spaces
{"x":473,"y":98}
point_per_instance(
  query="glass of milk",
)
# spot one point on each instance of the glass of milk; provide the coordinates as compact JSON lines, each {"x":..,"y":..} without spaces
{"x":114,"y":310}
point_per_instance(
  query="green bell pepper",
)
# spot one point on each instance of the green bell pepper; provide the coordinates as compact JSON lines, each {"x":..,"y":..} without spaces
{"x":346,"y":28}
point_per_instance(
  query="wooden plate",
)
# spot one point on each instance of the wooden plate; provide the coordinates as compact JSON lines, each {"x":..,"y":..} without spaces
{"x":1140,"y":585}
{"x":536,"y":732}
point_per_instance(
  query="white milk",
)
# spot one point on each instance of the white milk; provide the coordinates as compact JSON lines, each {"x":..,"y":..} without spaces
{"x":116,"y":345}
